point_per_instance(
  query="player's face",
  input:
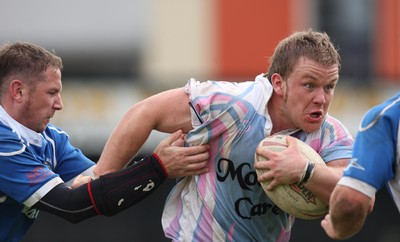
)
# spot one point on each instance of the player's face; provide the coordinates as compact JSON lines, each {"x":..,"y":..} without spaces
{"x":308,"y":92}
{"x":43,"y":101}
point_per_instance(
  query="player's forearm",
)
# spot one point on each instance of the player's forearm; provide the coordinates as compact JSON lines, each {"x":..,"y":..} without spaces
{"x":323,"y":181}
{"x":346,"y":222}
{"x":108,"y":195}
{"x":114,"y":192}
{"x":348,"y":211}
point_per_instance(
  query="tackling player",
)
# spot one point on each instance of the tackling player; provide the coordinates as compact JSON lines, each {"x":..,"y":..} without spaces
{"x":39,"y":165}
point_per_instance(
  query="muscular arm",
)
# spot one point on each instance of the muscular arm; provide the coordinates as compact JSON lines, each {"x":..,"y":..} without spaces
{"x":347,"y":213}
{"x":166,"y":112}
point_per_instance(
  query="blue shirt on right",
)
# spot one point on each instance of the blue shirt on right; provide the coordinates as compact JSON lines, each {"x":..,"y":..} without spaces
{"x":376,"y":154}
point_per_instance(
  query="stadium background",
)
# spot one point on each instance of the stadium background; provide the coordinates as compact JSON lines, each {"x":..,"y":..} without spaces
{"x":118,"y":52}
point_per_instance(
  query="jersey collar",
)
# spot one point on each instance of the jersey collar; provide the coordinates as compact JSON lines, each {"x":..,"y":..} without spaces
{"x":31,"y":136}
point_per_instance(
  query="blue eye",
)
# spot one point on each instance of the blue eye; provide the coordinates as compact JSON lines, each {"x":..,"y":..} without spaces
{"x":330,"y":87}
{"x":309,"y":86}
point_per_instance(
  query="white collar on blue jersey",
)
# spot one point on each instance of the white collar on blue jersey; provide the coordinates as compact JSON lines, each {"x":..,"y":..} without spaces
{"x":31,"y":136}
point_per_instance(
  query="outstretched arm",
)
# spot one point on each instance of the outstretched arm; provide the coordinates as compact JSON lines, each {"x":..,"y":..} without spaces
{"x":166,"y":112}
{"x":108,"y":195}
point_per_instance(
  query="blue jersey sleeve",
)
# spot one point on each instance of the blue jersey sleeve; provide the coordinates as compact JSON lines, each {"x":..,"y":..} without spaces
{"x":26,"y":168}
{"x":70,"y":161}
{"x":21,"y":172}
{"x":374,"y":152}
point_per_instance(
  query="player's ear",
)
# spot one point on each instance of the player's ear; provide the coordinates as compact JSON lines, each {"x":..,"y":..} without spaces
{"x":278,"y":83}
{"x":17,"y":89}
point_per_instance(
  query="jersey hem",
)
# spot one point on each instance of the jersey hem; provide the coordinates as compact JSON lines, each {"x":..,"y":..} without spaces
{"x":358,"y":185}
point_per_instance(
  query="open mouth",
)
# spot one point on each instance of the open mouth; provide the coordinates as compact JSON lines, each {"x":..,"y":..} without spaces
{"x":316,"y":115}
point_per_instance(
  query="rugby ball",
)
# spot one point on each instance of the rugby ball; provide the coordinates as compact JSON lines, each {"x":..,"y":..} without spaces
{"x":293,"y":199}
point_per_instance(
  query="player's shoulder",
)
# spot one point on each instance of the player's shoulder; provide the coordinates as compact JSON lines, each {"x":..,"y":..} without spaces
{"x":4,"y":129}
{"x":55,"y":132}
{"x":332,"y":131}
{"x":11,"y":143}
{"x":333,"y":124}
{"x":330,"y":120}
{"x":387,"y":110}
{"x":218,"y":86}
{"x":7,"y":133}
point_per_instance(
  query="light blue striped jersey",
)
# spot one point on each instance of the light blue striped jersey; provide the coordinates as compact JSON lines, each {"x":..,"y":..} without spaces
{"x":228,"y":203}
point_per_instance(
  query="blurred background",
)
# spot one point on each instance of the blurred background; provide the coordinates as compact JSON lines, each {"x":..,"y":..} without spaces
{"x":117,"y":53}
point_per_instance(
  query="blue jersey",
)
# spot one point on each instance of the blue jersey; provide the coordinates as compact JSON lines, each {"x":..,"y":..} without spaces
{"x":227,"y":203}
{"x":376,"y":152}
{"x":31,"y":164}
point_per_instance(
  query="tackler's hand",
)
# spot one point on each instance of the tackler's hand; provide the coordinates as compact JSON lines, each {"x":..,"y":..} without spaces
{"x":80,"y":180}
{"x":180,"y":161}
{"x":326,"y":224}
